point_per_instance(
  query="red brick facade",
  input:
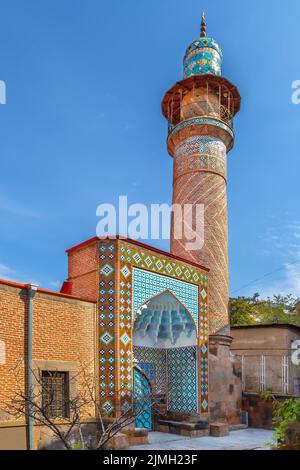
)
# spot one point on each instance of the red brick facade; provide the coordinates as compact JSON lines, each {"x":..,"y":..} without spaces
{"x":63,"y":339}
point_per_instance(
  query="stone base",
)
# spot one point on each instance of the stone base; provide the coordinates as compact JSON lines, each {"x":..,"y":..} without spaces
{"x":237,"y":427}
{"x":183,"y":428}
{"x":118,"y":442}
{"x":219,"y":429}
{"x":137,"y":437}
{"x":260,"y":411}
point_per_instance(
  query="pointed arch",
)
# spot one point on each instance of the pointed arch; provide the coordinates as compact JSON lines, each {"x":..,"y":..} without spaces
{"x":177,"y":299}
{"x":164,"y":322}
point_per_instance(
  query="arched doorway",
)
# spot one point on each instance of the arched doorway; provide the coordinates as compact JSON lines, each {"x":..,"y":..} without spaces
{"x":142,"y":399}
{"x":165,"y":347}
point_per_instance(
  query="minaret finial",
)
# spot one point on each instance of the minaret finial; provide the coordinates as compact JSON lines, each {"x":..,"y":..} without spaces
{"x":203,"y":25}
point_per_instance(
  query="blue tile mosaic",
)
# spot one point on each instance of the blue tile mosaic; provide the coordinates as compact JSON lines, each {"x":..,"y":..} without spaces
{"x":182,"y":380}
{"x":147,"y":284}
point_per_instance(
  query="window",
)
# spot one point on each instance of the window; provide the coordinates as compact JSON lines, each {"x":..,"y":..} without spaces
{"x":297,"y":386}
{"x":55,"y":393}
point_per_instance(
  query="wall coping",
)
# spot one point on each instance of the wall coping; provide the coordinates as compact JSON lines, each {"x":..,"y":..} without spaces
{"x":17,"y":285}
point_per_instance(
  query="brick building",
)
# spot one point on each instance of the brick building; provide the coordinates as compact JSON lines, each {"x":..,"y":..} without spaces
{"x":265,"y":353}
{"x":63,"y":337}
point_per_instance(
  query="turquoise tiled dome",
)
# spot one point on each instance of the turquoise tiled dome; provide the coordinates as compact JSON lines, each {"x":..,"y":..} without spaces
{"x":203,"y":56}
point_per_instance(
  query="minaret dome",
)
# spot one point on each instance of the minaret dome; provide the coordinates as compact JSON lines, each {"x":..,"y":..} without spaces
{"x":203,"y":56}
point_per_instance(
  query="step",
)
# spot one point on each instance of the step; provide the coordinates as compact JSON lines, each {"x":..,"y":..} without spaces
{"x":237,"y":427}
{"x":184,"y":428}
{"x":184,"y":424}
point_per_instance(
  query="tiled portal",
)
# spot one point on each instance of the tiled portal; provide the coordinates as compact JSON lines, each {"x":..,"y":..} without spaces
{"x":131,"y":276}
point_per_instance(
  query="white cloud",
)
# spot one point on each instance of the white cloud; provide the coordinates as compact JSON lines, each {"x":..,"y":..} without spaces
{"x":283,"y":241}
{"x":9,"y":274}
{"x":292,"y":276}
{"x":16,"y":208}
{"x":55,"y":284}
{"x":6,"y":272}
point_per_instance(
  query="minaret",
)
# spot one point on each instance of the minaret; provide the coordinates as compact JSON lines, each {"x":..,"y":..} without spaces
{"x":199,"y":110}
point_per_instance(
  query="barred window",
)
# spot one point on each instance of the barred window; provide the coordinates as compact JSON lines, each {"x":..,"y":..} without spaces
{"x":55,"y":394}
{"x":297,"y":386}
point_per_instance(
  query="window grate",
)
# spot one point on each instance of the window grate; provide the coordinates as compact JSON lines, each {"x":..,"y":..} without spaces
{"x":55,"y":394}
{"x":262,"y":373}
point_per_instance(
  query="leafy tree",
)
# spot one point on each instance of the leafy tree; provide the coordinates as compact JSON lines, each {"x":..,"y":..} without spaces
{"x":241,"y":311}
{"x":254,"y":310}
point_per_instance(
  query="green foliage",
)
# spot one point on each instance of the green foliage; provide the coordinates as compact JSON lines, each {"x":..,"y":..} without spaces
{"x":241,"y":310}
{"x":254,"y":310}
{"x":285,"y":413}
{"x":78,"y":446}
{"x":266,"y":395}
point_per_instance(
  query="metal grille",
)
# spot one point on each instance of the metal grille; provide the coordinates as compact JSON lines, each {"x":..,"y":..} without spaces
{"x":285,"y":374}
{"x":243,"y":373}
{"x":55,"y":393}
{"x":276,"y":373}
{"x":142,"y":391}
{"x":262,"y":373}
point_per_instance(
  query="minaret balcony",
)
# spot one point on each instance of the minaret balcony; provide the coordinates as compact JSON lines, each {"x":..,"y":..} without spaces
{"x":201,"y":105}
{"x":220,"y":113}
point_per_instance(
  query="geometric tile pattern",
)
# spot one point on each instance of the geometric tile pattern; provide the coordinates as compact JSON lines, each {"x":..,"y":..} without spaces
{"x":200,"y":153}
{"x":201,"y":120}
{"x":182,"y":379}
{"x":106,"y":322}
{"x":206,"y":61}
{"x":134,"y":259}
{"x":148,"y":369}
{"x":203,"y":56}
{"x":147,"y":284}
{"x":153,"y":362}
{"x":119,"y":261}
{"x":158,"y":264}
{"x":106,"y":338}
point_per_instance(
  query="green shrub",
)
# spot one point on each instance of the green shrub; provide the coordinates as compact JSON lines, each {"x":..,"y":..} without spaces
{"x":285,"y":413}
{"x":266,"y":395}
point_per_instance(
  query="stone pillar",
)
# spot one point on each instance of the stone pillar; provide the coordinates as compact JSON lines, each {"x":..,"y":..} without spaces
{"x":225,"y":381}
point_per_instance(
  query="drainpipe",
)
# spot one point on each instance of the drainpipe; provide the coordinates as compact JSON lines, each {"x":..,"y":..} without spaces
{"x":31,"y":290}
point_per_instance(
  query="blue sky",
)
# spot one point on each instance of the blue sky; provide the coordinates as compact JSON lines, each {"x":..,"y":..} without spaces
{"x":82,"y":125}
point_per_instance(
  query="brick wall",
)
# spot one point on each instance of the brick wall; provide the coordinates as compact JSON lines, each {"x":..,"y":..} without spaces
{"x":83,"y":264}
{"x":64,"y":334}
{"x":12,"y":332}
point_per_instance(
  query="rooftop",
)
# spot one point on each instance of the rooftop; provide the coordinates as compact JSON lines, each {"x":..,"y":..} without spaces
{"x":267,"y":325}
{"x":20,"y":285}
{"x":140,"y":244}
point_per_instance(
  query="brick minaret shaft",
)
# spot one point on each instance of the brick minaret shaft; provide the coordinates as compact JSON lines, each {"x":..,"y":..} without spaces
{"x":199,"y":110}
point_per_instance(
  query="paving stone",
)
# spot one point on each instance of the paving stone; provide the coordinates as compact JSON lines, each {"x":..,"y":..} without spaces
{"x":245,"y":439}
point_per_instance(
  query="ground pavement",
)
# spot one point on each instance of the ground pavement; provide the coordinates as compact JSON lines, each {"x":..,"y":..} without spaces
{"x":244,"y":439}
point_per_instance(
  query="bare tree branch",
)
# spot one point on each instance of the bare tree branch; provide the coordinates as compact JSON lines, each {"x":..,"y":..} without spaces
{"x":38,"y":405}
